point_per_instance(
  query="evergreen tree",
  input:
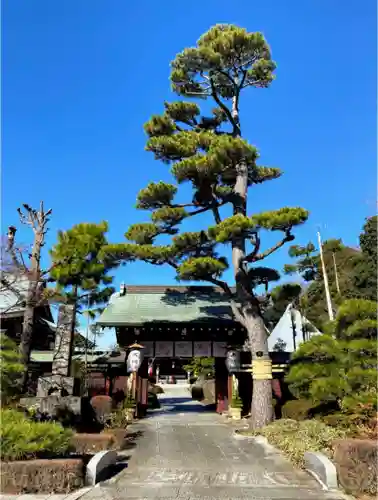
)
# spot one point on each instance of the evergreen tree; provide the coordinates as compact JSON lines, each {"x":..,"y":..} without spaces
{"x":341,"y":365}
{"x":340,"y":262}
{"x":208,"y":152}
{"x":80,"y":269}
{"x":365,"y":271}
{"x":11,"y":369}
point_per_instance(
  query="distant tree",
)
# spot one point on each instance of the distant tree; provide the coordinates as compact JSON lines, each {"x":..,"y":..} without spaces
{"x":81,"y":270}
{"x":279,"y":346}
{"x":201,"y":366}
{"x":365,"y":271}
{"x":340,"y":262}
{"x":209,"y":153}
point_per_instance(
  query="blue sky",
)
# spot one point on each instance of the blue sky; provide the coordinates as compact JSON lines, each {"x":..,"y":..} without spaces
{"x":81,"y":77}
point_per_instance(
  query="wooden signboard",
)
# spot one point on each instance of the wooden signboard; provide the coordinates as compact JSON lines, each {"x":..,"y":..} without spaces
{"x":163,"y":349}
{"x":202,"y":349}
{"x":183,"y":349}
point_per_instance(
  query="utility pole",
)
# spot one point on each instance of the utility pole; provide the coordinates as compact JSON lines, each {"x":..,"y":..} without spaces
{"x":336,"y":273}
{"x":325,"y":278}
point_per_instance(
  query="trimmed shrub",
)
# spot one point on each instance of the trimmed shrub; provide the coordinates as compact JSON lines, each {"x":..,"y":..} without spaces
{"x":356,"y":462}
{"x":340,"y":366}
{"x":102,"y":406}
{"x":294,"y":437}
{"x":22,"y":439}
{"x":42,"y":476}
{"x":89,"y":444}
{"x":298,"y":409}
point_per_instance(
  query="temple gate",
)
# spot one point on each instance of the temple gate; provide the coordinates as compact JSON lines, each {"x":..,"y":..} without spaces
{"x":175,"y":324}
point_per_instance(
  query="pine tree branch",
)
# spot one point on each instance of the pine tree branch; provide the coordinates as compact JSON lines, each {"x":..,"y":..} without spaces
{"x":225,"y":287}
{"x":217,"y":216}
{"x":256,"y":242}
{"x":223,"y":106}
{"x":252,"y":257}
{"x":212,"y":206}
{"x":239,"y":88}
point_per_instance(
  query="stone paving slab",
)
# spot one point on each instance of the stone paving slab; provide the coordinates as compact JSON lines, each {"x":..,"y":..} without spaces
{"x":185,"y":452}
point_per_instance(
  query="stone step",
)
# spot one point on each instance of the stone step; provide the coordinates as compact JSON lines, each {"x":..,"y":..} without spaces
{"x":200,"y":492}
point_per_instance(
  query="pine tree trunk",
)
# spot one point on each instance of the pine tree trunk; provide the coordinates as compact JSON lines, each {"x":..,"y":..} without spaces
{"x":262,"y":408}
{"x":262,"y":404}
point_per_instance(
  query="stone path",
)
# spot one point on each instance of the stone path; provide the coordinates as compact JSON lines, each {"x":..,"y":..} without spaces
{"x":185,"y":452}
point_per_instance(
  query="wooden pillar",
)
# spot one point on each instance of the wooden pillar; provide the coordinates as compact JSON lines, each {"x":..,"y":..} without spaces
{"x":229,"y":389}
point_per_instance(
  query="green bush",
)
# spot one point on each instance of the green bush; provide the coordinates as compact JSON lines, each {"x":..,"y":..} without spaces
{"x":11,"y":369}
{"x":340,"y":366}
{"x":201,"y":366}
{"x":297,"y":409}
{"x":23,"y":439}
{"x":294,"y":438}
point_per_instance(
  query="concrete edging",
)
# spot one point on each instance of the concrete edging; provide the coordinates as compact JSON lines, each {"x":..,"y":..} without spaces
{"x":322,"y":469}
{"x":98,"y":464}
{"x":237,"y":435}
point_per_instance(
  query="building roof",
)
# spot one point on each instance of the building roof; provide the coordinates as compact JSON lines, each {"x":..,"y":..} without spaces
{"x":139,"y":305}
{"x":13,"y":296}
{"x":284,"y":330}
{"x":107,"y":357}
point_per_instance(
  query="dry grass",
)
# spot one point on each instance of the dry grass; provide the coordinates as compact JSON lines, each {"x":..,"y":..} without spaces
{"x":294,"y":438}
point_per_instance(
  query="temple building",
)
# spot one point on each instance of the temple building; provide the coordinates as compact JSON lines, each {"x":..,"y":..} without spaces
{"x":177,"y":323}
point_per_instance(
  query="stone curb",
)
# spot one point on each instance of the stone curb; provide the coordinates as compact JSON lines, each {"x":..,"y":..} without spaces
{"x":98,"y":464}
{"x":237,"y":435}
{"x":316,"y":463}
{"x":322,"y":469}
{"x":74,"y":495}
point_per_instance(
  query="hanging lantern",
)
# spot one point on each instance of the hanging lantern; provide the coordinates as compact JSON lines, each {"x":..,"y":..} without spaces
{"x":233,"y":361}
{"x":134,"y":358}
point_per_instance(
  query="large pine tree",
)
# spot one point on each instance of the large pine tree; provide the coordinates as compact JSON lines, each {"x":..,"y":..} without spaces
{"x":209,"y":152}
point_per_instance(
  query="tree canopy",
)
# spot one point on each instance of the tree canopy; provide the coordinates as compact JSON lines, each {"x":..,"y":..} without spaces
{"x":207,"y":151}
{"x":79,"y":268}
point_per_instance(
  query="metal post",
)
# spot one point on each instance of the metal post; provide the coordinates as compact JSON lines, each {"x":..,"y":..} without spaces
{"x":325,"y":278}
{"x":336,"y":273}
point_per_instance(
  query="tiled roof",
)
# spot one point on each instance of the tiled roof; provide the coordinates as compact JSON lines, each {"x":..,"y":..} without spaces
{"x":175,"y":304}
